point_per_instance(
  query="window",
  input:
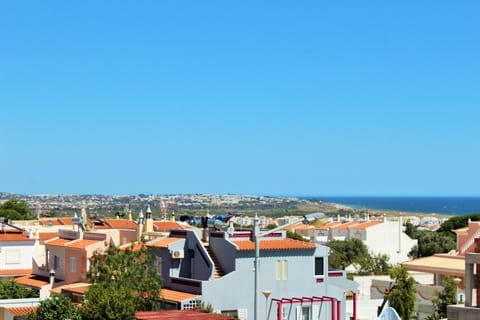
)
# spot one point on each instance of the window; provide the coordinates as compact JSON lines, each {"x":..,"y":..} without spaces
{"x":303,"y":313}
{"x":73,"y":264}
{"x":56,"y":262}
{"x":281,"y":270}
{"x":278,"y":267}
{"x":319,"y":270}
{"x":284,"y":269}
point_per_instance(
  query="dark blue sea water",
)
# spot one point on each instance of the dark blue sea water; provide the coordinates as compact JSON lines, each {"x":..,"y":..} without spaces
{"x":440,"y":205}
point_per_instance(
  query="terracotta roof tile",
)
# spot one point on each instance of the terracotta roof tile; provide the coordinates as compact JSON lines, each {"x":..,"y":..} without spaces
{"x":77,"y":288}
{"x":121,"y":224}
{"x":137,"y":246}
{"x":345,"y":225}
{"x":300,"y":226}
{"x":21,"y":311}
{"x":32,"y":281}
{"x":329,"y":225}
{"x":366,"y":225}
{"x":66,"y":221}
{"x":47,"y":235}
{"x":162,"y":243}
{"x":57,"y":242}
{"x":176,"y":296}
{"x":81,"y":244}
{"x":169,"y":225}
{"x":15,"y":272}
{"x":179,"y":315}
{"x":285,"y":244}
{"x":50,"y":221}
{"x":14,"y":236}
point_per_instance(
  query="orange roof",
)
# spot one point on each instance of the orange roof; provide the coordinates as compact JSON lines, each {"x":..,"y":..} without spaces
{"x":137,"y":246}
{"x":176,"y":296}
{"x":179,"y":315}
{"x":169,"y":225}
{"x":121,"y":224}
{"x":15,"y":272}
{"x":51,"y":221}
{"x":78,"y":288}
{"x":66,"y":221}
{"x":300,"y":226}
{"x":14,"y":236}
{"x":162,"y":243}
{"x":32,"y":281}
{"x":47,"y":235}
{"x":329,"y":225}
{"x":345,"y":225}
{"x":81,"y":244}
{"x":21,"y":311}
{"x":366,"y":225}
{"x":57,"y":242}
{"x":285,"y":244}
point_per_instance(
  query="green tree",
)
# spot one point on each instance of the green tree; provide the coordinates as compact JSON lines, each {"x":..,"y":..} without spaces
{"x":13,"y":290}
{"x":403,"y":294}
{"x":345,"y":252}
{"x":443,"y":298}
{"x":374,"y":264}
{"x":122,"y":282}
{"x":54,"y":308}
{"x":431,"y":242}
{"x":410,"y":230}
{"x":15,"y":209}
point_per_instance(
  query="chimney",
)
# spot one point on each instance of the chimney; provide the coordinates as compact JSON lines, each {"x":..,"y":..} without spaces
{"x":149,"y":220}
{"x":52,"y":277}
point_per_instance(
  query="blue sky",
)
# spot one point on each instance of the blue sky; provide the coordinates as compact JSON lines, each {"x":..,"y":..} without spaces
{"x":248,"y":97}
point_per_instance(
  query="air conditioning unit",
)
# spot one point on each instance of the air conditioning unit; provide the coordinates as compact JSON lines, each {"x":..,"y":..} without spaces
{"x":177,"y":254}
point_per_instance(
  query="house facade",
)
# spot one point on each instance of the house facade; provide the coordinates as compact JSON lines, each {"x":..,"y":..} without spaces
{"x":294,"y":281}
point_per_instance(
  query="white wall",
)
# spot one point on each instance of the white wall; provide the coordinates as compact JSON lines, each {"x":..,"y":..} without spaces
{"x":16,"y":255}
{"x":387,"y":238}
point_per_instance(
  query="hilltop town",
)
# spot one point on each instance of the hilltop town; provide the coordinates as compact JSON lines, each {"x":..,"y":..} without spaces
{"x":52,"y":204}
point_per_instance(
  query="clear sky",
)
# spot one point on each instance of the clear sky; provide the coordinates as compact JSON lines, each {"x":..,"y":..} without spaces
{"x":247,"y":97}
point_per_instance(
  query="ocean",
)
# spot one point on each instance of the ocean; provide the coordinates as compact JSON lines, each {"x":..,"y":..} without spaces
{"x":440,"y":205}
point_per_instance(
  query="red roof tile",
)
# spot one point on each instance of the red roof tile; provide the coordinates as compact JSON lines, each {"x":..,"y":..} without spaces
{"x":285,"y":244}
{"x":179,"y":315}
{"x":162,"y":243}
{"x":366,"y":225}
{"x":137,"y":246}
{"x":15,"y":272}
{"x":66,"y":221}
{"x":32,"y":281}
{"x":176,"y":296}
{"x":329,"y":225}
{"x":57,"y":242}
{"x":169,"y":225}
{"x":47,"y":235}
{"x":81,"y":244}
{"x":121,"y":224}
{"x":345,"y":225}
{"x":14,"y":236}
{"x":21,"y":311}
{"x":50,"y":221}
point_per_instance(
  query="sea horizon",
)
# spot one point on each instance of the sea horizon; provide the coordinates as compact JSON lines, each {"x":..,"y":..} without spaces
{"x":445,"y":205}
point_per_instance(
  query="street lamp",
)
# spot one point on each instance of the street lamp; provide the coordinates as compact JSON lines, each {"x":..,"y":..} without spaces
{"x":267,"y":294}
{"x":317,"y":219}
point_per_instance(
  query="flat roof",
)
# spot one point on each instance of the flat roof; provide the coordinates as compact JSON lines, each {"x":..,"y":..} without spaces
{"x":438,"y":264}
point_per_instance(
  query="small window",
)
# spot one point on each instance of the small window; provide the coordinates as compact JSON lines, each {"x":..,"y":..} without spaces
{"x":319,"y":270}
{"x":73,"y":264}
{"x":284,"y":270}
{"x":56,"y":262}
{"x":278,"y":271}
